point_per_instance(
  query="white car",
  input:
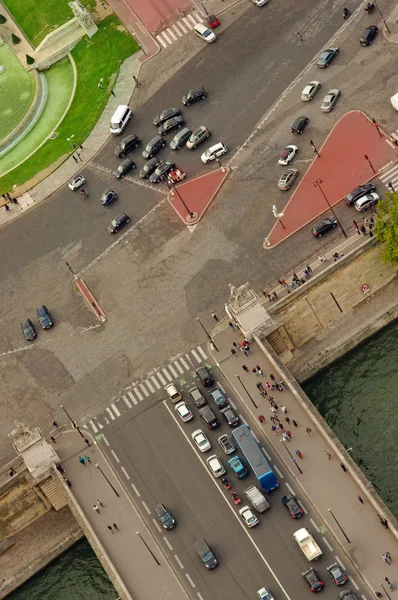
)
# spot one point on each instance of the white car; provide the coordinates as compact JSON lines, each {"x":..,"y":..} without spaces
{"x":76,"y":182}
{"x":259,"y":2}
{"x":184,"y":412}
{"x":214,"y":152}
{"x":201,"y":440}
{"x":310,"y":90}
{"x":264,"y":594}
{"x":330,"y":100}
{"x":248,"y":516}
{"x":287,"y":155}
{"x":368,"y":201}
{"x":173,"y":393}
{"x":216,"y":466}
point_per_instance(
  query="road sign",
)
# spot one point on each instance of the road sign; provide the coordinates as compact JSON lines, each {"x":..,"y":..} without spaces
{"x":365,"y":288}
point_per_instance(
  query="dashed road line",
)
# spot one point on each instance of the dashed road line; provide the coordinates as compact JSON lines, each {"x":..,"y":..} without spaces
{"x":146,"y":507}
{"x":314,"y":525}
{"x":178,"y":562}
{"x":127,"y":476}
{"x":137,"y":493}
{"x":154,"y":521}
{"x":327,"y":544}
{"x":190,"y":580}
{"x":166,"y":541}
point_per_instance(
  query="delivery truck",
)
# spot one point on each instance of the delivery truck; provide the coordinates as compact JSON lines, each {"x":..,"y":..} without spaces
{"x":308,"y":545}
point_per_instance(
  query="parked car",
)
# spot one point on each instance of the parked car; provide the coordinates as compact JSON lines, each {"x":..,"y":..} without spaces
{"x":149,"y":168}
{"x":214,"y":152}
{"x":248,"y":516}
{"x":204,"y":375}
{"x":347,"y":595}
{"x":184,"y":412}
{"x":128,"y":144}
{"x":165,"y":517}
{"x":197,"y":397}
{"x":212,"y":21}
{"x":201,"y":440}
{"x":310,"y":90}
{"x":194,"y":95}
{"x":180,"y":138}
{"x":292,"y":506}
{"x":360,"y":191}
{"x":125,"y":167}
{"x":161,"y":170}
{"x":218,"y":398}
{"x":330,"y":100}
{"x":173,"y":392}
{"x":337,"y":573}
{"x":287,"y":155}
{"x":76,"y":182}
{"x":118,"y":222}
{"x":156,"y":144}
{"x":299,"y":125}
{"x":319,"y":229}
{"x":368,"y":201}
{"x":28,"y":330}
{"x":313,"y":580}
{"x":226,"y":444}
{"x":108,"y":197}
{"x":44,"y":317}
{"x":215,"y":465}
{"x":327,"y":56}
{"x":171,"y":124}
{"x":287,"y":178}
{"x":231,"y":418}
{"x":197,"y":137}
{"x":165,"y":115}
{"x":368,"y":35}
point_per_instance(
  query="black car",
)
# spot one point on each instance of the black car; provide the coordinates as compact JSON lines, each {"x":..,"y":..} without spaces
{"x":118,"y":222}
{"x":161,"y":170}
{"x":28,"y":330}
{"x":324,"y":226}
{"x":360,"y":191}
{"x":316,"y":585}
{"x":347,"y":595}
{"x":125,"y":167}
{"x":292,"y":506}
{"x":368,"y":35}
{"x":171,"y":124}
{"x":180,"y":138}
{"x":231,"y":418}
{"x":165,"y":517}
{"x":165,"y":115}
{"x":204,"y":375}
{"x":108,"y":197}
{"x":197,"y":397}
{"x":337,"y":574}
{"x":194,"y":96}
{"x":327,"y":56}
{"x":149,"y":168}
{"x":156,"y":144}
{"x":299,"y":125}
{"x":44,"y":317}
{"x":127,"y":145}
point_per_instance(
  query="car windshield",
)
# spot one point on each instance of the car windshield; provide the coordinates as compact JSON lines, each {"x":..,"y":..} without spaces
{"x":207,"y":33}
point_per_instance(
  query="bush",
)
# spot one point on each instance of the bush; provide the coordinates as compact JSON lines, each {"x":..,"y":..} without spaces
{"x":15,"y":39}
{"x":2,"y":19}
{"x":29,"y":60}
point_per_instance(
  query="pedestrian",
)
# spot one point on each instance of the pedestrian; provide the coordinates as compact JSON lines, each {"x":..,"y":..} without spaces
{"x":234,"y":352}
{"x":329,"y":456}
{"x":113,"y":93}
{"x":244,"y":367}
{"x":272,"y":377}
{"x":308,"y":269}
{"x":213,"y":314}
{"x":323,"y":259}
{"x":390,"y":584}
{"x":371,"y":234}
{"x":270,"y":298}
{"x":287,"y":420}
{"x":52,"y":438}
{"x":261,"y":418}
{"x":81,"y":147}
{"x":87,"y":458}
{"x":97,"y":510}
{"x":7,"y":208}
{"x":55,"y":424}
{"x":356,"y":227}
{"x":363,"y":229}
{"x":100,"y":86}
{"x":254,"y":371}
{"x":87,"y":442}
{"x":284,"y":409}
{"x":289,"y":433}
{"x":11,"y":472}
{"x":379,"y":595}
{"x":275,"y":295}
{"x":342,"y":465}
{"x":110,"y":529}
{"x":68,"y":483}
{"x":309,"y":431}
{"x":389,"y":556}
{"x":300,"y":37}
{"x":137,"y":83}
{"x":385,"y":523}
{"x":81,"y":460}
{"x":360,"y":499}
{"x":299,"y":454}
{"x":294,"y":423}
{"x":100,"y":502}
{"x":386,"y":559}
{"x":74,"y":158}
{"x":79,"y":156}
{"x":232,"y":326}
{"x":60,"y":469}
{"x":115,"y":527}
{"x":263,"y":393}
{"x":259,"y":386}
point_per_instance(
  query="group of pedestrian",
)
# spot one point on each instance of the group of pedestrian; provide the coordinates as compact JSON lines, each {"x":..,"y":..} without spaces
{"x":96,"y":508}
{"x":387,"y":558}
{"x":361,"y":229}
{"x":241,"y":347}
{"x":60,"y":468}
{"x":83,"y":461}
{"x":383,"y":521}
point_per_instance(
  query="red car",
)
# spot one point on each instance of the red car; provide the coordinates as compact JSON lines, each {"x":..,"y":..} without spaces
{"x":212,"y":21}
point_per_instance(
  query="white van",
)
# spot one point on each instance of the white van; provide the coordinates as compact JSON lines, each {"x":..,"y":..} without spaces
{"x":120,"y":119}
{"x":394,"y":101}
{"x":205,"y":33}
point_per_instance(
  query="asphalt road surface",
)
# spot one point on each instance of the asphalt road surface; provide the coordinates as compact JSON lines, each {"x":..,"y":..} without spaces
{"x":154,"y":448}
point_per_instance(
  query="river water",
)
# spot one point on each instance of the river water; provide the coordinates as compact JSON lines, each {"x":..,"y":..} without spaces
{"x":357,"y":396}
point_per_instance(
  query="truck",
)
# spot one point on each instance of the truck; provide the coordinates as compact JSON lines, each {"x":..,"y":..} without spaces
{"x":255,"y":458}
{"x":307,"y":544}
{"x":256,"y":499}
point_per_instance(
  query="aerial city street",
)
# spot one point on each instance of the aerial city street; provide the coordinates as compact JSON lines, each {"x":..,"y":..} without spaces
{"x":228,"y":141}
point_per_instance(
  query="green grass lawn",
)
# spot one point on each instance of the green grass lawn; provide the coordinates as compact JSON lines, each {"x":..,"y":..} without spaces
{"x":37,"y":18}
{"x":95,"y":58}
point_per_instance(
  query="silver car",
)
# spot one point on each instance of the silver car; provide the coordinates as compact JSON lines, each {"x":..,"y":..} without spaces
{"x":287,"y":178}
{"x":310,"y":90}
{"x":330,"y":100}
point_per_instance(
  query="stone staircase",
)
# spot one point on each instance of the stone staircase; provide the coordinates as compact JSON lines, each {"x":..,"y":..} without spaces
{"x":54,"y":493}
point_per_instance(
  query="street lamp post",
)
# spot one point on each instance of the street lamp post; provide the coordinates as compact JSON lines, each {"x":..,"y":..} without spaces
{"x":207,"y":333}
{"x":366,"y":157}
{"x":317,"y":183}
{"x":278,"y":215}
{"x":173,"y":190}
{"x":382,"y":19}
{"x":390,"y":187}
{"x":339,"y":526}
{"x":148,"y":548}
{"x":70,"y":268}
{"x":74,"y":424}
{"x":247,"y":392}
{"x":385,"y":591}
{"x":315,"y":149}
{"x":106,"y":478}
{"x":294,"y":460}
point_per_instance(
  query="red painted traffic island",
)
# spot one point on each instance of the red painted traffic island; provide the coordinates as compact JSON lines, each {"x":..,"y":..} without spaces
{"x":191,"y":199}
{"x":355,"y":151}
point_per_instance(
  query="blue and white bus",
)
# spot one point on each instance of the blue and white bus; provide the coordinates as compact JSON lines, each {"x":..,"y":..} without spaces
{"x":255,"y":458}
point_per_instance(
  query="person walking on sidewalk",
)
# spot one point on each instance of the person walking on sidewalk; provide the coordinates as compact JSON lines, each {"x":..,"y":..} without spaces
{"x":87,"y":442}
{"x":232,"y":326}
{"x":110,"y":529}
{"x":360,"y":499}
{"x":342,"y":465}
{"x":100,"y":502}
{"x":386,"y":559}
{"x":390,"y":585}
{"x":299,"y":454}
{"x":137,"y":83}
{"x":294,"y":423}
{"x":97,"y":510}
{"x":309,"y":431}
{"x":213,"y":314}
{"x":234,"y":352}
{"x":389,"y":556}
{"x":88,"y":459}
{"x":116,"y":528}
{"x":329,"y":456}
{"x":81,"y":460}
{"x":261,"y":418}
{"x":244,"y":367}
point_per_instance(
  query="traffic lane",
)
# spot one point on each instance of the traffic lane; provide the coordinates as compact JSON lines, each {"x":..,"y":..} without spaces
{"x":168,"y":472}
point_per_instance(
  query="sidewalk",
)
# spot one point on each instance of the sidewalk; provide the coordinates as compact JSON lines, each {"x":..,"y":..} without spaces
{"x":323,"y":480}
{"x":129,"y":558}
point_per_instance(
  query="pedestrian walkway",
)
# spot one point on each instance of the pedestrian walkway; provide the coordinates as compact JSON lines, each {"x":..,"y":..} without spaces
{"x":148,"y":386}
{"x":324,"y":481}
{"x":390,"y":176}
{"x":178,"y":29}
{"x":130,"y":552}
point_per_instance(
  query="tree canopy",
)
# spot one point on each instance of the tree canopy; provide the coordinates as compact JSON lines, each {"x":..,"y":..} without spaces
{"x":386,"y":227}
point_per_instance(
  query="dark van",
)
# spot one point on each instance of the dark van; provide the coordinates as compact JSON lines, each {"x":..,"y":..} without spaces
{"x":206,"y":555}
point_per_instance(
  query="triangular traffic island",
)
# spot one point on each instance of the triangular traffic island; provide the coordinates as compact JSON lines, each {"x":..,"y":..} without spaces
{"x":191,"y":199}
{"x":355,"y":152}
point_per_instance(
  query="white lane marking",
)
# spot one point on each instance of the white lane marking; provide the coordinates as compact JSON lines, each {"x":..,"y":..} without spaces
{"x":118,"y":413}
{"x":354,"y":583}
{"x":173,"y":35}
{"x":190,"y":580}
{"x":187,"y":23}
{"x":149,"y":384}
{"x":202,"y":352}
{"x":199,"y":596}
{"x":110,"y":413}
{"x":244,"y":528}
{"x":145,"y":391}
{"x":115,"y":456}
{"x":162,"y":379}
{"x":154,"y":521}
{"x":255,"y":437}
{"x":160,"y":39}
{"x":363,"y":596}
{"x":278,"y":471}
{"x":138,"y":393}
{"x":267,"y":456}
{"x":174,"y":372}
{"x":21,"y":349}
{"x":178,"y":561}
{"x":232,"y":403}
{"x":127,"y":476}
{"x":168,"y":40}
{"x":178,"y":367}
{"x":314,"y":525}
{"x":105,"y":439}
{"x":189,"y":359}
{"x":100,"y":424}
{"x":302,"y":506}
{"x":289,"y":487}
{"x":195,"y":355}
{"x":155,"y":382}
{"x":178,"y":32}
{"x":194,"y":21}
{"x":327,"y":544}
{"x":93,"y":427}
{"x":341,"y":563}
{"x":182,"y":27}
{"x":136,"y":490}
{"x":186,"y":365}
{"x":127,"y":403}
{"x":166,"y":373}
{"x":245,"y":422}
{"x":133,"y":398}
{"x":146,"y":507}
{"x":166,"y":541}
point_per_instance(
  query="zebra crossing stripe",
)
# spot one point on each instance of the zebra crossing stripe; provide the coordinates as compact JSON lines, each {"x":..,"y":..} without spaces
{"x":184,"y":363}
{"x":187,"y":23}
{"x":161,"y":40}
{"x":94,"y":428}
{"x":202,"y":352}
{"x":167,"y":374}
{"x":170,"y":32}
{"x":178,"y":367}
{"x":155,"y":381}
{"x":182,"y":27}
{"x":127,"y":403}
{"x":110,"y":414}
{"x":134,"y":399}
{"x":144,"y":390}
{"x":164,"y":34}
{"x":162,"y":379}
{"x":148,"y":383}
{"x":175,"y":374}
{"x":199,"y":360}
{"x":137,"y":391}
{"x":117,"y":411}
{"x":178,"y":32}
{"x":189,"y":359}
{"x":194,"y":21}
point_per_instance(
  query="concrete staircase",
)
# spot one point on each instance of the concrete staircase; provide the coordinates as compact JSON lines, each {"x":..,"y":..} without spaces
{"x":58,"y":43}
{"x":54,"y":493}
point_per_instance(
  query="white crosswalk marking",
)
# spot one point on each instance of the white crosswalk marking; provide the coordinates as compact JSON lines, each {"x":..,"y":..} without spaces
{"x":202,"y":352}
{"x":155,"y":382}
{"x":175,"y":374}
{"x":186,"y":366}
{"x":134,"y":399}
{"x":110,"y":413}
{"x":178,"y":367}
{"x":116,"y":410}
{"x":149,"y":385}
{"x":199,"y":360}
{"x":143,"y":388}
{"x":137,"y":391}
{"x":178,"y":32}
{"x":167,"y":374}
{"x":188,"y":23}
{"x":162,"y":379}
{"x":390,"y":176}
{"x":178,"y":29}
